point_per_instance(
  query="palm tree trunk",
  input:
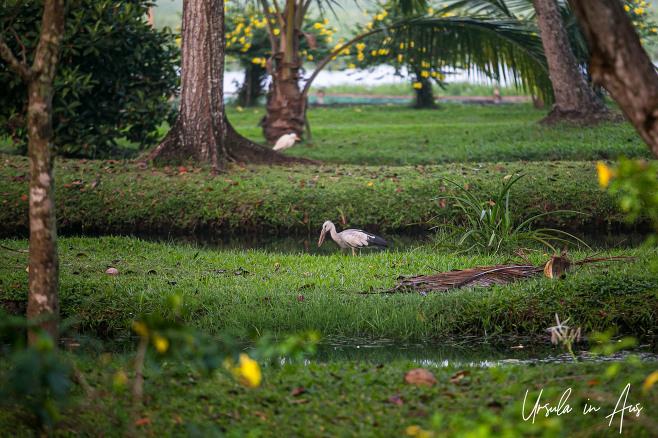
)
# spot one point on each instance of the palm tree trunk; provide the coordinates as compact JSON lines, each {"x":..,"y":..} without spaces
{"x":284,"y":110}
{"x":620,"y":64}
{"x":573,"y":98}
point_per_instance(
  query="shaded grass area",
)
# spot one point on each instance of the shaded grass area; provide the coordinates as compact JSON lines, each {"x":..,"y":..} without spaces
{"x":356,"y":399}
{"x":112,"y":197}
{"x":400,"y":136}
{"x":257,"y":292}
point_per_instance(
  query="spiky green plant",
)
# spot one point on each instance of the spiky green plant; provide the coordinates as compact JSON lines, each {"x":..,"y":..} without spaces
{"x":490,"y":225}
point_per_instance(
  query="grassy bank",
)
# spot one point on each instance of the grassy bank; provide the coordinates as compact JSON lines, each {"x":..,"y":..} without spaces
{"x":260,"y":292}
{"x":110,"y":197}
{"x":356,"y":399}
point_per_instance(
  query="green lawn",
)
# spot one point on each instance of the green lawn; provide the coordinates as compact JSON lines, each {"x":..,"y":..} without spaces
{"x":259,"y":291}
{"x":454,"y":133}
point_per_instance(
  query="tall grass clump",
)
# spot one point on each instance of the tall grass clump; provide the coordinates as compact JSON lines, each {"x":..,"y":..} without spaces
{"x":490,"y":226}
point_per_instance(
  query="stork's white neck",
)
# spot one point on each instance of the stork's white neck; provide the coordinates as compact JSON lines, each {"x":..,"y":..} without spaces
{"x":333,"y":232}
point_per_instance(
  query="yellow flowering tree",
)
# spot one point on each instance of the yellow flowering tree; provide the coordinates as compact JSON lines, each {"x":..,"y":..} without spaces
{"x":248,"y":43}
{"x":407,"y":55}
{"x":487,"y":47}
{"x":288,"y":33}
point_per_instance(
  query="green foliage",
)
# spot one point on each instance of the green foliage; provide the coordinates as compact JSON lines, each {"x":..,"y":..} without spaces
{"x":39,"y":380}
{"x":636,"y":182}
{"x":491,"y":226}
{"x":115,"y":78}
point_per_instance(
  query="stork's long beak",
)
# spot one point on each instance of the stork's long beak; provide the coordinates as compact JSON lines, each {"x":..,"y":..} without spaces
{"x":298,"y":139}
{"x":324,"y":233}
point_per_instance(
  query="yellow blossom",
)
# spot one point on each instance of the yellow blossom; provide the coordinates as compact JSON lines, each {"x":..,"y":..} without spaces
{"x":417,"y":85}
{"x":399,"y":58}
{"x":627,"y":8}
{"x":256,"y":61}
{"x":373,"y":53}
{"x":318,"y":25}
{"x":141,"y":329}
{"x":239,"y":109}
{"x":326,"y":21}
{"x":650,"y":381}
{"x":369,"y":184}
{"x":352,"y":66}
{"x":412,"y":430}
{"x":604,"y":173}
{"x":424,"y":74}
{"x":247,"y":371}
{"x":310,"y":57}
{"x":161,"y":344}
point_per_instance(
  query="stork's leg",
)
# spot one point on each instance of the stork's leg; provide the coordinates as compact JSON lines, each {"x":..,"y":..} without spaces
{"x":352,"y":252}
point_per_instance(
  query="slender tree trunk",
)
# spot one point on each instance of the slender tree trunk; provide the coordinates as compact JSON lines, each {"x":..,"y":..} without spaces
{"x":201,"y":131}
{"x":573,"y":98}
{"x":43,"y":295}
{"x":619,"y":63}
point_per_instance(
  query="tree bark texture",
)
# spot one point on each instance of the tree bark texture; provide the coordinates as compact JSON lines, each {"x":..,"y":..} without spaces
{"x":43,"y":293}
{"x":201,"y":131}
{"x":573,"y":98}
{"x":619,"y":63}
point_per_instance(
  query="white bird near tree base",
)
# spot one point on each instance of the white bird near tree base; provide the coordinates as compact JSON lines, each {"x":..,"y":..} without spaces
{"x":285,"y":141}
{"x":352,"y":238}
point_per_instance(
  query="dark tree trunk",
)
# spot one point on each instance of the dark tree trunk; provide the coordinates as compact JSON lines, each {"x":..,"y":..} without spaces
{"x":252,"y":87}
{"x":201,"y":129}
{"x":619,"y":63}
{"x":573,"y":98}
{"x":43,"y":295}
{"x":424,"y":97}
{"x":284,"y":110}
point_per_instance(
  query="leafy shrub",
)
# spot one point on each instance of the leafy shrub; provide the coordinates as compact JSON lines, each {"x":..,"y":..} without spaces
{"x":115,"y":77}
{"x":636,"y":183}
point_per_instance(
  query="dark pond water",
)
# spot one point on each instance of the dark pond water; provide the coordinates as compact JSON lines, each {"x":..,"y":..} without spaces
{"x":401,"y":242}
{"x":467,"y":351}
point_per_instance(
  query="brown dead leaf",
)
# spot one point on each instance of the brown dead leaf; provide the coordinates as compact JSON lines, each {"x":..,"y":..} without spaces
{"x":142,"y":421}
{"x":112,"y":271}
{"x":396,"y":399}
{"x":299,"y":390}
{"x":460,"y":375}
{"x":419,"y":377}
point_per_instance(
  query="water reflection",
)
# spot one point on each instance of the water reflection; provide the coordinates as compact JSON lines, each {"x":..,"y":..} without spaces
{"x":398,"y":243}
{"x":464,"y":352}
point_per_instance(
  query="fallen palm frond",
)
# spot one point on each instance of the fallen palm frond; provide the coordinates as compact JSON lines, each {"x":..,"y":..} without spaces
{"x":557,"y":266}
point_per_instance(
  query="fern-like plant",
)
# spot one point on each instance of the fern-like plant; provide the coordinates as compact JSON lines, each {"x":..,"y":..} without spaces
{"x":491,"y":227}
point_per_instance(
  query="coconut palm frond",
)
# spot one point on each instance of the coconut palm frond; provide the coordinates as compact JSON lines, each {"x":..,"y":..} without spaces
{"x":500,"y":50}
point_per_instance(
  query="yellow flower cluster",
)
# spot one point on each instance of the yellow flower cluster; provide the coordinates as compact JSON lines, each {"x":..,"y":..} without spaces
{"x":247,"y":372}
{"x":159,"y":342}
{"x":604,"y":174}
